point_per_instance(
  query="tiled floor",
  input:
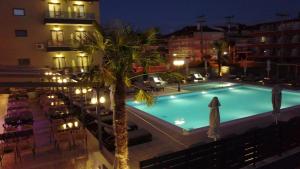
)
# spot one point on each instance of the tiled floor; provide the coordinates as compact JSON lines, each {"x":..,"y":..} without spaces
{"x":47,"y":157}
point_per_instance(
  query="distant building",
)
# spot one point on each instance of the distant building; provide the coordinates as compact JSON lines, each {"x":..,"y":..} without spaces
{"x":186,"y":43}
{"x":37,"y":33}
{"x":276,"y":41}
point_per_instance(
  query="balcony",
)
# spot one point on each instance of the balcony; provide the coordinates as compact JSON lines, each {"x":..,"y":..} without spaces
{"x":68,"y":45}
{"x":63,"y":17}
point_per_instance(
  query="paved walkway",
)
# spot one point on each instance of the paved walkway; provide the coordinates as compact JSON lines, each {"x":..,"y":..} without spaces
{"x":47,"y":157}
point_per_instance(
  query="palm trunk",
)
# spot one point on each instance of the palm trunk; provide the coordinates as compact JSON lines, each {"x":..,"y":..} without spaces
{"x":120,"y":124}
{"x":219,"y":63}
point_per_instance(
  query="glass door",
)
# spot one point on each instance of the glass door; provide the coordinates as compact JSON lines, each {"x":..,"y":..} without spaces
{"x":59,"y":62}
{"x":80,"y":36}
{"x":57,"y":37}
{"x":54,"y":10}
{"x":79,"y":11}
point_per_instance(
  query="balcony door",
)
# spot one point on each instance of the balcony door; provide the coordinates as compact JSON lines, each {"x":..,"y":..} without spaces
{"x":59,"y":62}
{"x":80,"y":36}
{"x":83,"y":61}
{"x":78,"y":11}
{"x":57,"y":37}
{"x":54,"y":10}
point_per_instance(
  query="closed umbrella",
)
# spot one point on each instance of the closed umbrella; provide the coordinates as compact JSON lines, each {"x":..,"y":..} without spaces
{"x":276,"y":102}
{"x":214,"y":119}
{"x":268,"y":68}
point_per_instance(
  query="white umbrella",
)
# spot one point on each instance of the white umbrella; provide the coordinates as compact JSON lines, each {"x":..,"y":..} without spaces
{"x":245,"y":67}
{"x":268,"y":67}
{"x":214,"y":119}
{"x":276,"y":102}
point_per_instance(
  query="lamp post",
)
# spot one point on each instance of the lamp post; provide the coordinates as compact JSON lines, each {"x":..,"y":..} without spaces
{"x":178,"y":63}
{"x":97,"y":99}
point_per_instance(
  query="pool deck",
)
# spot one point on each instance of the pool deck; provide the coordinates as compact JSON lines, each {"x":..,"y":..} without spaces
{"x":167,"y":139}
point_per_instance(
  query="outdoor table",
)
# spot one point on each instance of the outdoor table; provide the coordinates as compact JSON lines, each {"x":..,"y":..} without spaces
{"x":19,"y":118}
{"x":17,"y":108}
{"x":60,"y":114}
{"x":18,"y":103}
{"x":14,"y":135}
{"x":69,"y":125}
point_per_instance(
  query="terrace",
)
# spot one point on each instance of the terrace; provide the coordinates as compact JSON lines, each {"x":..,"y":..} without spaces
{"x":165,"y":139}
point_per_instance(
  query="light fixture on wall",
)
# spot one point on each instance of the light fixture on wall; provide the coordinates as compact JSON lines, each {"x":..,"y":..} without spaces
{"x":59,"y":55}
{"x":56,"y":28}
{"x":80,"y":28}
{"x":55,"y":1}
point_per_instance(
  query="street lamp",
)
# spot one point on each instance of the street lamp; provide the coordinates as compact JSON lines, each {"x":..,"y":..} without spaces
{"x":178,"y":63}
{"x":96,"y":99}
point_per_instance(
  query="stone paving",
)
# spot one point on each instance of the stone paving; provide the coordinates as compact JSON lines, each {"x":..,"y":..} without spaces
{"x":47,"y":157}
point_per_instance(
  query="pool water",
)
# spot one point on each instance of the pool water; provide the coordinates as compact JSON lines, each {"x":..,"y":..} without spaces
{"x":190,"y":111}
{"x":207,"y":86}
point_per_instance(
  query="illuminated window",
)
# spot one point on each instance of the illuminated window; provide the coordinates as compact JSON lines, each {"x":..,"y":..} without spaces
{"x":57,"y":37}
{"x":18,"y":12}
{"x":263,"y":39}
{"x":79,"y":11}
{"x":54,"y":10}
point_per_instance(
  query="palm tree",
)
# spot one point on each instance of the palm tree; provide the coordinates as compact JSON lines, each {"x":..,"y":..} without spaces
{"x":119,"y":47}
{"x":221,"y":47}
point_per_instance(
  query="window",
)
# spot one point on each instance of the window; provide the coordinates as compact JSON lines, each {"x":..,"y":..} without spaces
{"x":57,"y":37}
{"x":24,"y":62}
{"x":54,"y":10}
{"x":21,"y":33}
{"x":19,"y":12}
{"x":79,"y":11}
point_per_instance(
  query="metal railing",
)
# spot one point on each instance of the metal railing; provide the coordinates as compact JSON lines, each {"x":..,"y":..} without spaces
{"x":64,"y":43}
{"x":233,"y":152}
{"x":69,"y":15}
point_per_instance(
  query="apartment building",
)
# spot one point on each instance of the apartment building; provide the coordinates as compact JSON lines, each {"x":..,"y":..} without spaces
{"x":193,"y":42}
{"x":276,"y":41}
{"x":45,"y":33}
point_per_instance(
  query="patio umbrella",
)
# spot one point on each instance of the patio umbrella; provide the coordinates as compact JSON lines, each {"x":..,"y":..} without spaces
{"x":268,"y":67}
{"x":245,"y":67}
{"x":276,"y":102}
{"x":214,"y":119}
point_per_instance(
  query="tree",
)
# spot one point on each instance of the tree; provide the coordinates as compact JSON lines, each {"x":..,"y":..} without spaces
{"x":220,"y":47}
{"x":119,"y":47}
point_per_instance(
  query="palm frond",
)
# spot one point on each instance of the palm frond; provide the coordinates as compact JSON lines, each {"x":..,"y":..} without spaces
{"x":144,"y":97}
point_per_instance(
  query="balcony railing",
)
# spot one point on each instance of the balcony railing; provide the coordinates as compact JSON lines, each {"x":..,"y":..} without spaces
{"x":69,"y":17}
{"x":66,"y":45}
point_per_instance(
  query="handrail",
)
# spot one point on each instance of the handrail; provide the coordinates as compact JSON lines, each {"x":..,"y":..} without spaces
{"x":70,"y":15}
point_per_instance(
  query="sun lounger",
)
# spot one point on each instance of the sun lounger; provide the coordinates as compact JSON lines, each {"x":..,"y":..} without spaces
{"x":135,"y":137}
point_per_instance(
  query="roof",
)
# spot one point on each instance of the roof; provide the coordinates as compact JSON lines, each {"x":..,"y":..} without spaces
{"x":275,"y":22}
{"x":189,"y":30}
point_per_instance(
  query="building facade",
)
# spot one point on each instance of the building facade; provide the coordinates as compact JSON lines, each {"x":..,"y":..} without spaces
{"x":45,"y":33}
{"x":193,"y":43}
{"x":276,"y":41}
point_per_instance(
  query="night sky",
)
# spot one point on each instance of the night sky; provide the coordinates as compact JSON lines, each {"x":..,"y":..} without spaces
{"x":169,"y":15}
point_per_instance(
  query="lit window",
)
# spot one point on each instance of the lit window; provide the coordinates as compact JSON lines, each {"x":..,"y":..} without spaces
{"x":21,"y":33}
{"x":263,"y":39}
{"x":19,"y":12}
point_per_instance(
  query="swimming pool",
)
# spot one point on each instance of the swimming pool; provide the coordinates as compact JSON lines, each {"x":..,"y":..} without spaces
{"x":207,"y":86}
{"x":190,"y":111}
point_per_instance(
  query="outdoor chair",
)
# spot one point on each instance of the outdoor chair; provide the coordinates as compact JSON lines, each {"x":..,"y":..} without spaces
{"x":157,"y":83}
{"x":54,"y":124}
{"x":135,"y":137}
{"x":62,"y":139}
{"x":79,"y":137}
{"x":25,"y":145}
{"x":9,"y":143}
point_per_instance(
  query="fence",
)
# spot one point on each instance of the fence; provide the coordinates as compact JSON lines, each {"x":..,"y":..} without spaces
{"x":234,"y":152}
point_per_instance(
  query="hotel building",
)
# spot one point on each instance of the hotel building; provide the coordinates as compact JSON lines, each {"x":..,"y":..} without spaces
{"x":45,"y":33}
{"x":193,"y":42}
